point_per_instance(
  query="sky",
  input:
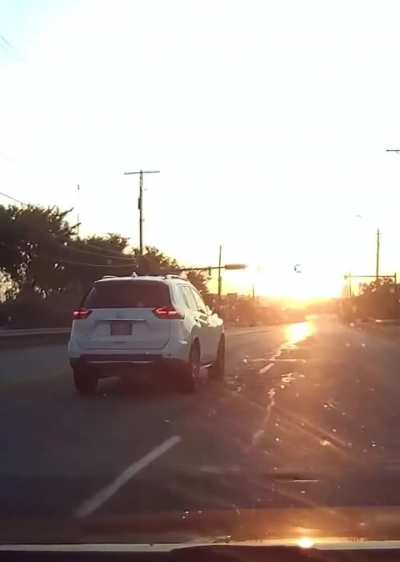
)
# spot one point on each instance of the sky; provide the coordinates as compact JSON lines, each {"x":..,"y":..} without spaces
{"x":267,"y":120}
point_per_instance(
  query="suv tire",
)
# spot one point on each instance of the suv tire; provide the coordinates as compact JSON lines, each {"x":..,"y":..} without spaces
{"x":191,"y":371}
{"x":217,"y":370}
{"x":85,"y":381}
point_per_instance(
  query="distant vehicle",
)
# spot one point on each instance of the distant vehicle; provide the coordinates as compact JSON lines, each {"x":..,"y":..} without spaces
{"x":126,"y":324}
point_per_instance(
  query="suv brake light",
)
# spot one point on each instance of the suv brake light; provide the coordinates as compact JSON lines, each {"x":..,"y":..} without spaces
{"x":81,"y":313}
{"x":167,"y":313}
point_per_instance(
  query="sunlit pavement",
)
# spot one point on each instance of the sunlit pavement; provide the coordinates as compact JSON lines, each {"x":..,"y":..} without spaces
{"x":308,"y":415}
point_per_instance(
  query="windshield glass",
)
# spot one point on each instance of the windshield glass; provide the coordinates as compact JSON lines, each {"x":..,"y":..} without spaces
{"x":199,"y":266}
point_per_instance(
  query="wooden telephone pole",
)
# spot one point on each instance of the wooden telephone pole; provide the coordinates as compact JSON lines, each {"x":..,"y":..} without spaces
{"x":140,"y":202}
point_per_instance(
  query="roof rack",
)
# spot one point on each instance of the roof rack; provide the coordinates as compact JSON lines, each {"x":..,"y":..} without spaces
{"x":160,"y":274}
{"x":108,"y":276}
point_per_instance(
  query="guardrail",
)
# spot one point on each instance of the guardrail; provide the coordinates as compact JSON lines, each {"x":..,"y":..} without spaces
{"x":43,"y":336}
{"x":34,"y":332}
{"x":11,"y":339}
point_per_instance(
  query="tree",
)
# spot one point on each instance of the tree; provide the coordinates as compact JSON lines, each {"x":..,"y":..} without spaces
{"x":154,"y":262}
{"x":33,"y":242}
{"x":199,"y":280}
{"x":45,"y":267}
{"x":378,"y":299}
{"x":91,"y":258}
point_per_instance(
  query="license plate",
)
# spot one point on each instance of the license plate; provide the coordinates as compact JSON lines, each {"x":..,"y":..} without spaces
{"x":121,"y":328}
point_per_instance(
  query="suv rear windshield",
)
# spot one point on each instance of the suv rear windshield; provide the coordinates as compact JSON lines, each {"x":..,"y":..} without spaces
{"x":136,"y":294}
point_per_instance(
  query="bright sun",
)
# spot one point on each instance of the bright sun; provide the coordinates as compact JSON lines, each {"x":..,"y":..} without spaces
{"x":300,"y":287}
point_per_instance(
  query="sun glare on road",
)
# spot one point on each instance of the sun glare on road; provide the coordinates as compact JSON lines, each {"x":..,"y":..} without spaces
{"x":305,"y":542}
{"x":296,"y":333}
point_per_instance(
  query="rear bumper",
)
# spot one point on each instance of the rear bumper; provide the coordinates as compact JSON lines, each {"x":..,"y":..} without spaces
{"x":176,"y":348}
{"x":131,"y":361}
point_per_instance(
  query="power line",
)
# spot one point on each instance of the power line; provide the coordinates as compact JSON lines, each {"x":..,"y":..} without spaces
{"x":14,"y":199}
{"x":112,"y":254}
{"x":66,"y":260}
{"x":62,"y":260}
{"x":109,"y":252}
{"x":6,"y":42}
{"x":4,"y":46}
{"x":6,"y":157}
{"x":100,"y":253}
{"x":9,"y":48}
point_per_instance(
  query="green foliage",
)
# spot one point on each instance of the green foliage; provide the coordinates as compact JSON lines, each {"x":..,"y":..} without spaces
{"x":378,"y":299}
{"x":29,"y":309}
{"x":45,"y":268}
{"x":154,"y":262}
{"x":32,"y":246}
{"x":198,"y":279}
{"x":90,"y":258}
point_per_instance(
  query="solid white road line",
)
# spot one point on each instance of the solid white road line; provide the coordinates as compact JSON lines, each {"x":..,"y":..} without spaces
{"x":266,"y":368}
{"x":257,"y":435}
{"x":92,"y":504}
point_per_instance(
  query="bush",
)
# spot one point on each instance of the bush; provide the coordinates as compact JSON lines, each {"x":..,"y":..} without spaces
{"x":30,"y":310}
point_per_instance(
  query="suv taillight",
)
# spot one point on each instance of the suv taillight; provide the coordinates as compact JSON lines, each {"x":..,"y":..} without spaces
{"x":167,"y":313}
{"x":81,"y":313}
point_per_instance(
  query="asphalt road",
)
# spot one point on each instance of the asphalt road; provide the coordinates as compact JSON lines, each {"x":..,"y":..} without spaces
{"x":308,"y":415}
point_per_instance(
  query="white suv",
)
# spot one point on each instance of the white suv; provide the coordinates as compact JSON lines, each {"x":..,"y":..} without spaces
{"x":130,"y":323}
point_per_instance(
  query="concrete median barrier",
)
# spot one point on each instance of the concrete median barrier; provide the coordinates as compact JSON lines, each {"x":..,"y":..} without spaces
{"x":36,"y":336}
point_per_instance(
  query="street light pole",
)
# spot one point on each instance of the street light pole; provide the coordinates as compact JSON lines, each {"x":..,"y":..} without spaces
{"x":140,"y":202}
{"x":378,"y":251}
{"x":220,"y":274}
{"x":396,"y":151}
{"x":78,"y":218}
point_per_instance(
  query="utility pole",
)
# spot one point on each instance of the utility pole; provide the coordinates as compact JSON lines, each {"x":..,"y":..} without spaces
{"x":348,"y":286}
{"x":78,"y":188}
{"x":140,"y":202}
{"x":378,"y":251}
{"x":396,"y":151}
{"x":220,"y":274}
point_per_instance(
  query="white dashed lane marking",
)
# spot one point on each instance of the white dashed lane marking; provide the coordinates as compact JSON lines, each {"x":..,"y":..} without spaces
{"x":266,"y":368}
{"x":94,"y":503}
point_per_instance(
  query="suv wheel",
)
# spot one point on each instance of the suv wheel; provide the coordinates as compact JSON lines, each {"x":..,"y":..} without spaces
{"x":85,"y":381}
{"x":191,"y":372}
{"x":217,"y":370}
